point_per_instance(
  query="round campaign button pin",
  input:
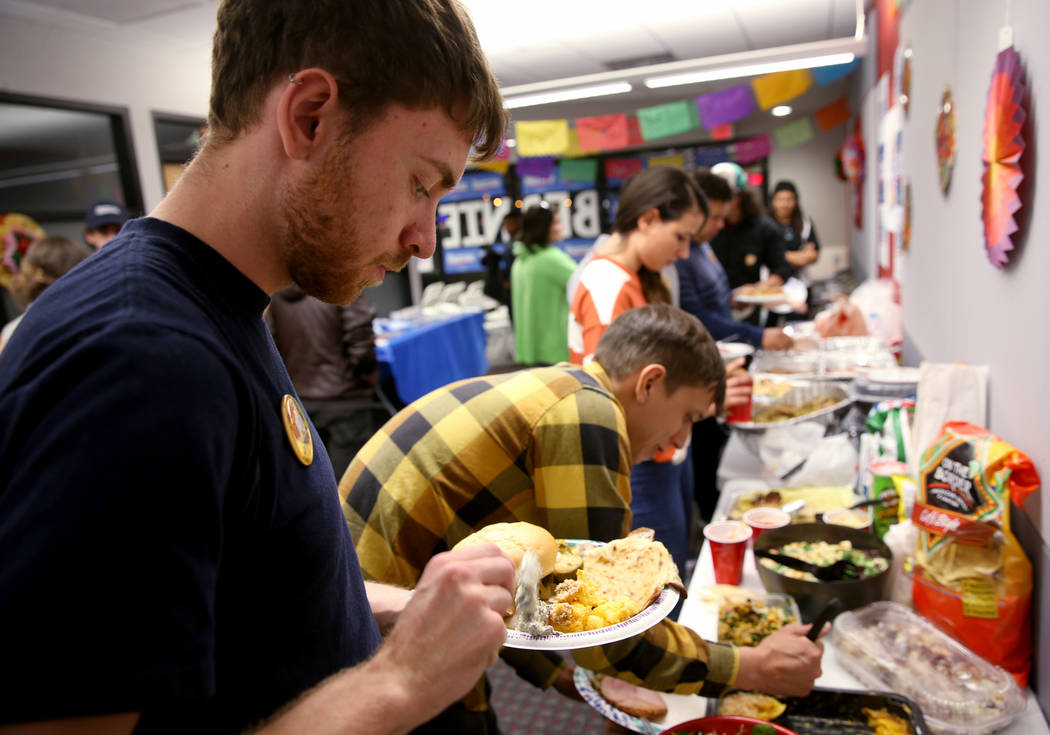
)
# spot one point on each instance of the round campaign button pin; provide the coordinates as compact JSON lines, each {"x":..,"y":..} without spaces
{"x":297,"y":429}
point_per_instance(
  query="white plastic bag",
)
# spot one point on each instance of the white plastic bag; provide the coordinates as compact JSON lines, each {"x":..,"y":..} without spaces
{"x":833,"y":461}
{"x":878,"y":302}
{"x":782,"y":449}
{"x":901,"y":538}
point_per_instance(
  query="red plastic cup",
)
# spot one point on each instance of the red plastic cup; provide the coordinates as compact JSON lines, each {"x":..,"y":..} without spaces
{"x":763,"y":519}
{"x":741,"y":413}
{"x":728,"y":542}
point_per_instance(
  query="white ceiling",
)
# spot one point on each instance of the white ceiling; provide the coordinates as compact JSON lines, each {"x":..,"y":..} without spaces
{"x":553,"y":40}
{"x":543,"y":40}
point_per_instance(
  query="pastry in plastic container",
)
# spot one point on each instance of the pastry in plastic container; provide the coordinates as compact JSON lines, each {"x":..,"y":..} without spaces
{"x":888,"y":646}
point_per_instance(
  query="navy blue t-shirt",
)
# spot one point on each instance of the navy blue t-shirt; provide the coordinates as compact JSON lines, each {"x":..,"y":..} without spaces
{"x":703,"y":291}
{"x":162,"y":549}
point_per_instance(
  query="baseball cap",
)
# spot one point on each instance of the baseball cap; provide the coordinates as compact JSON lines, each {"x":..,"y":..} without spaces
{"x":105,"y":212}
{"x":732,"y":173}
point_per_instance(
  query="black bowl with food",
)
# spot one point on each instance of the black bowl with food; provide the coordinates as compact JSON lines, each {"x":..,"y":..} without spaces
{"x":822,"y":544}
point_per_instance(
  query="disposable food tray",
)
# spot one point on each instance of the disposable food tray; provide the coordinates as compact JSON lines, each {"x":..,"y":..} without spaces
{"x":818,"y":499}
{"x":833,"y":357}
{"x":888,"y":646}
{"x":839,"y":711}
{"x":802,"y":392}
{"x":712,"y":600}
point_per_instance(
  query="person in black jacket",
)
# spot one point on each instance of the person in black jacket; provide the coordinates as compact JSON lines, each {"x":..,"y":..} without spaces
{"x":499,"y":256}
{"x":750,"y":239}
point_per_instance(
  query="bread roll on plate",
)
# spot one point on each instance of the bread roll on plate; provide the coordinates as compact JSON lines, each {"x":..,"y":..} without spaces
{"x":514,"y":539}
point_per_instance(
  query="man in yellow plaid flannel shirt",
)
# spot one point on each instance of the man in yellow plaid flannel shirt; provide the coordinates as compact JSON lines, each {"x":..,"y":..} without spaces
{"x":554,"y":446}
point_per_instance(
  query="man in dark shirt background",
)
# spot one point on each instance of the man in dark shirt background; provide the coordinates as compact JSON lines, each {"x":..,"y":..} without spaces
{"x":330,"y":353}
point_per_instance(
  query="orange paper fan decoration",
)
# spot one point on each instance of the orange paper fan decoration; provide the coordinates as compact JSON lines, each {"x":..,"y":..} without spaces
{"x":1003,"y":145}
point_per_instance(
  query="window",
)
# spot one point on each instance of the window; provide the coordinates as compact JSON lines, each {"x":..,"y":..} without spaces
{"x":56,"y":159}
{"x":177,"y":139}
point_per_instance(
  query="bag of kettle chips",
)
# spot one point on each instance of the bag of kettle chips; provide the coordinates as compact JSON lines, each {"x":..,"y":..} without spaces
{"x":972,"y":579}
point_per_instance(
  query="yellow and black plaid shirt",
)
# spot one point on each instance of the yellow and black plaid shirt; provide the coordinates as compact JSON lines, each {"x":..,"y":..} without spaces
{"x":546,"y":445}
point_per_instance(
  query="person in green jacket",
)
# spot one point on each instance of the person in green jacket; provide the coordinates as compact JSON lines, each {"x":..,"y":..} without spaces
{"x":537,"y":289}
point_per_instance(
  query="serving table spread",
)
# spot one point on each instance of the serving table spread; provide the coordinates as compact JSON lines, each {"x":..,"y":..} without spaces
{"x":695,"y":616}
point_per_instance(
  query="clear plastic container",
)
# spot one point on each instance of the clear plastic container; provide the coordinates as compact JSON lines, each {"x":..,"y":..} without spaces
{"x":745,"y":617}
{"x":889,"y":647}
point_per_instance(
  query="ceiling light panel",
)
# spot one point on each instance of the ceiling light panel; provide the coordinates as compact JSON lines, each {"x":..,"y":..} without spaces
{"x":746,"y":70}
{"x":562,"y":95}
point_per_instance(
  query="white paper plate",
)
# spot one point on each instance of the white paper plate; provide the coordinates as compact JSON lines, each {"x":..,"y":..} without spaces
{"x":647,"y":618}
{"x":760,"y":298}
{"x":680,"y":707}
{"x":733,"y":350}
{"x":893,"y":376}
{"x":640,"y":623}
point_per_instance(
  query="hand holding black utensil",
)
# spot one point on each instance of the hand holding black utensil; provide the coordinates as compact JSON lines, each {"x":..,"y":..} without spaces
{"x":842,"y":569}
{"x":830,"y":610}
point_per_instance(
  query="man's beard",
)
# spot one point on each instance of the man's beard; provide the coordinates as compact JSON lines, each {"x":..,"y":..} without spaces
{"x":321,"y":233}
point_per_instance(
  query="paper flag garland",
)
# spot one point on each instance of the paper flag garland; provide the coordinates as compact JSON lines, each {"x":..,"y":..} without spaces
{"x":795,"y":133}
{"x":1003,"y":145}
{"x":834,"y":114}
{"x":827,"y":74}
{"x":781,"y":86}
{"x":542,"y":137}
{"x":618,"y":170}
{"x":726,"y":106}
{"x":708,"y":157}
{"x":722,"y":132}
{"x":672,"y":118}
{"x":945,"y":137}
{"x":677,"y":160}
{"x":752,"y":149}
{"x":538,"y":167}
{"x":500,"y":167}
{"x":573,"y":150}
{"x":634,"y":132}
{"x":602,"y":132}
{"x":578,"y":170}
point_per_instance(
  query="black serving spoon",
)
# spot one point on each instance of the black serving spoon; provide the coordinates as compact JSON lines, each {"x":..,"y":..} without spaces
{"x":839,"y":570}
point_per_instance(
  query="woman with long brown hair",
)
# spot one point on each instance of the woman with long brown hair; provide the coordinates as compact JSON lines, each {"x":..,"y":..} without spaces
{"x":659,"y":211}
{"x":801,"y":246}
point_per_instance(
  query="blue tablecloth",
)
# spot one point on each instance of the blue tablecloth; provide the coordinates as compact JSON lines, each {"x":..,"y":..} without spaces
{"x":428,"y":356}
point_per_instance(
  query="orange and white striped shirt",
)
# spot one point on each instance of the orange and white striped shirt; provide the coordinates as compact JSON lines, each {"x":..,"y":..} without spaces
{"x":605,"y":290}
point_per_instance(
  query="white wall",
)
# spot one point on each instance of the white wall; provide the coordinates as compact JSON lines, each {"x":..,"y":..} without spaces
{"x":107,"y":66}
{"x":822,"y":196}
{"x":957,"y":306}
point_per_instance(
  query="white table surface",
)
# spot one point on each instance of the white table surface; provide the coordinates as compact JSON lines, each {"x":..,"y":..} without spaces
{"x":693,"y":615}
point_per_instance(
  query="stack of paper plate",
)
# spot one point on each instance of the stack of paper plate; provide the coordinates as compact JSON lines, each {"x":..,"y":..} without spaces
{"x":883,"y":384}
